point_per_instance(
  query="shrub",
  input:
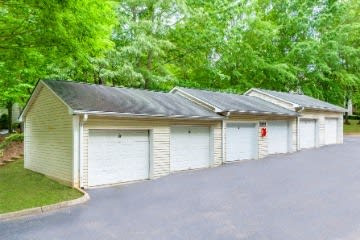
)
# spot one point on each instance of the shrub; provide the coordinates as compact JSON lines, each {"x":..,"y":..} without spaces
{"x":16,"y":137}
{"x":4,"y":121}
{"x":354,"y":117}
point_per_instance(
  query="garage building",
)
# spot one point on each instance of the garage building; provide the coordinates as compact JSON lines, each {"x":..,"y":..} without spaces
{"x":319,"y":123}
{"x":89,"y":135}
{"x":245,"y":116}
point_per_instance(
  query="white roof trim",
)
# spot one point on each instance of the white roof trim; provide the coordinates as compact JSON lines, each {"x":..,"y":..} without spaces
{"x":297,"y":105}
{"x":190,"y":96}
{"x":262,"y":113}
{"x":270,"y":95}
{"x":116,"y":114}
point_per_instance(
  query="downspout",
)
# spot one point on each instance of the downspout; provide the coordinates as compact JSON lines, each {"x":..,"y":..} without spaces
{"x":226,"y":114}
{"x":81,"y":133}
{"x":223,"y":140}
{"x":298,"y":128}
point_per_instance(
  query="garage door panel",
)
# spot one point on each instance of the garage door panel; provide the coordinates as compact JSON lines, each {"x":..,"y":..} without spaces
{"x":307,"y":133}
{"x":189,"y":147}
{"x":117,"y":156}
{"x":241,"y":141}
{"x":331,"y":130}
{"x":278,"y":137}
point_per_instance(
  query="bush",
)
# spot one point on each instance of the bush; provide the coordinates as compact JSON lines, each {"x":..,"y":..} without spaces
{"x":354,"y":117}
{"x":4,"y":121}
{"x":16,"y":137}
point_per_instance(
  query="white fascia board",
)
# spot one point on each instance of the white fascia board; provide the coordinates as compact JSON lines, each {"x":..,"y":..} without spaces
{"x":270,"y":95}
{"x":133,"y":115}
{"x":326,"y":109}
{"x":192,"y":98}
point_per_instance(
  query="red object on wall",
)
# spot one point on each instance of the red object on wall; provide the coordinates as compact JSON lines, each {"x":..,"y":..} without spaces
{"x":263,"y":132}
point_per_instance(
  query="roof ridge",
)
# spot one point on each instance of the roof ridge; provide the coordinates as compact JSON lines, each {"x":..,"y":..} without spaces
{"x":334,"y":106}
{"x":211,"y":90}
{"x":84,"y":97}
{"x":244,"y":102}
{"x":107,"y":86}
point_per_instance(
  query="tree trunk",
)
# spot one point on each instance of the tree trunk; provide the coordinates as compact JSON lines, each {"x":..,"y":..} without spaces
{"x":346,"y":120}
{"x":9,"y":106}
{"x":149,"y":66}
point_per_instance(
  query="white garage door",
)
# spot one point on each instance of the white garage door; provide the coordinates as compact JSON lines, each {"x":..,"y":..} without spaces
{"x":307,"y":133}
{"x":278,"y":136}
{"x":189,"y":147}
{"x":331,"y":129}
{"x":117,"y":156}
{"x":241,"y":141}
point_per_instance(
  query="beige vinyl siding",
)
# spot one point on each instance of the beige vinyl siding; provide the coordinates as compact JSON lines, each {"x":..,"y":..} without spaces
{"x":263,"y":141}
{"x":160,"y":140}
{"x":320,"y":117}
{"x":48,"y":137}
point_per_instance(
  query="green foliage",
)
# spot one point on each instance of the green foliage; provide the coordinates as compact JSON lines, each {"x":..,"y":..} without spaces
{"x":49,"y":39}
{"x":302,"y":45}
{"x":15,"y":137}
{"x":3,"y":121}
{"x":141,"y":42}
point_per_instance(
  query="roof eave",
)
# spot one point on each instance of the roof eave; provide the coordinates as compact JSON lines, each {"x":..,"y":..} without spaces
{"x":157,"y":116}
{"x":236,"y":112}
{"x":270,"y":95}
{"x":327,"y":109}
{"x":191,"y":97}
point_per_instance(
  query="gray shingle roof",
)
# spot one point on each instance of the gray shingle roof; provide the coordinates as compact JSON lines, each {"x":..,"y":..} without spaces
{"x":82,"y":97}
{"x":304,"y":101}
{"x":228,"y":102}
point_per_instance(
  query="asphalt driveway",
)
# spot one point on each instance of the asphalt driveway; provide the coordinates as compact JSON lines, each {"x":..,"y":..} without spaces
{"x":308,"y":195}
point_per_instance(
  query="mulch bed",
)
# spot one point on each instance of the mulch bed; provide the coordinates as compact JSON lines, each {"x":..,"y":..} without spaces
{"x":13,"y":150}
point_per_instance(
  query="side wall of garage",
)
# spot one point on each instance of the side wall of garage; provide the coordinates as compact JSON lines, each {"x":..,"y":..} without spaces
{"x":48,"y":137}
{"x":320,"y":117}
{"x":159,"y":140}
{"x":263,"y":141}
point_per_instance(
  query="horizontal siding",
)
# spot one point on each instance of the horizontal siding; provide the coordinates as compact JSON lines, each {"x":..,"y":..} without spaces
{"x":160,"y":133}
{"x":48,"y":137}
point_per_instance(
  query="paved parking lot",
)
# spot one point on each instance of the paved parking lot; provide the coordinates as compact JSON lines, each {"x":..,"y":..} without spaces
{"x":308,"y":195}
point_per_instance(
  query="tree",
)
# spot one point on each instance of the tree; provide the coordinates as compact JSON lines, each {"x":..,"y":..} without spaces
{"x":141,"y":42}
{"x":42,"y":39}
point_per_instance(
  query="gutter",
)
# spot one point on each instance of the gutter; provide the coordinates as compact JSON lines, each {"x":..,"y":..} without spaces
{"x":115,"y":114}
{"x":229,"y":112}
{"x":298,"y":110}
{"x":223,"y":141}
{"x":81,"y":152}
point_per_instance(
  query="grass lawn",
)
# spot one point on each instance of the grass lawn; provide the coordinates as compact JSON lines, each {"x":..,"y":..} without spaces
{"x":21,"y":188}
{"x":353,"y":128}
